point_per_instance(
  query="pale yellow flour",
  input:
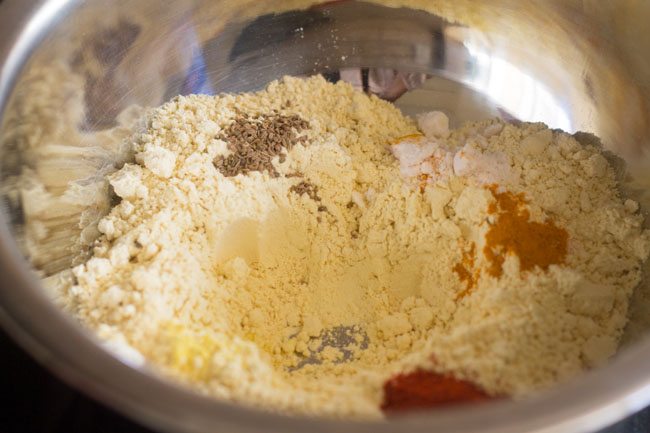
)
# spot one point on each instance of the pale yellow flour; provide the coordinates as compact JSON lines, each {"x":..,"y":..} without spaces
{"x":250,"y":292}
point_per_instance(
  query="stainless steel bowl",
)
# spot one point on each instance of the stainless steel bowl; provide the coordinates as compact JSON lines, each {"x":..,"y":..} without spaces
{"x":579,"y":65}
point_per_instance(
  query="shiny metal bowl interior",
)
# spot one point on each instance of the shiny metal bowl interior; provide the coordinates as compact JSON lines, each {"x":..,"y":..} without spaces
{"x":578,"y":65}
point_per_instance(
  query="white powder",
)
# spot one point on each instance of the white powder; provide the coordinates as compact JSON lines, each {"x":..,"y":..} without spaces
{"x":157,"y":159}
{"x":250,"y":292}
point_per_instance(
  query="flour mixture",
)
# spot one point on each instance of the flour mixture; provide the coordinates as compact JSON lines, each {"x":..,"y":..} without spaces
{"x":297,"y":248}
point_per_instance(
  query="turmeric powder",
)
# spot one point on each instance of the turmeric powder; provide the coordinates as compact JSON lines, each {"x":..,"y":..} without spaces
{"x":535,"y":244}
{"x":465,"y":271}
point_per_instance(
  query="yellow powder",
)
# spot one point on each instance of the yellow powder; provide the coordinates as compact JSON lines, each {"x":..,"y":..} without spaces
{"x":184,"y":270}
{"x":535,"y":244}
{"x":257,"y":289}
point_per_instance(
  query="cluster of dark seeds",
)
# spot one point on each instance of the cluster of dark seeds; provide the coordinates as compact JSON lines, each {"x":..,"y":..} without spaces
{"x":255,"y":141}
{"x":311,"y":190}
{"x":306,"y":188}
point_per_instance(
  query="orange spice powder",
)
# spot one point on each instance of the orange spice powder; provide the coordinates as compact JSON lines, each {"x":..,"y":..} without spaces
{"x":535,"y":244}
{"x":465,"y":271}
{"x":410,"y":137}
{"x":423,"y":178}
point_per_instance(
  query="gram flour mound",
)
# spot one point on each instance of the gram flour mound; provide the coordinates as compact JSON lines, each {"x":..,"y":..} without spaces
{"x":294,"y":248}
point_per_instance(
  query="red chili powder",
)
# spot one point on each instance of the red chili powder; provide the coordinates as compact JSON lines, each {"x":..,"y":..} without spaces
{"x":424,"y":390}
